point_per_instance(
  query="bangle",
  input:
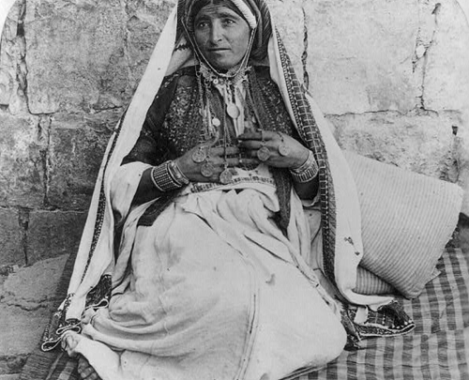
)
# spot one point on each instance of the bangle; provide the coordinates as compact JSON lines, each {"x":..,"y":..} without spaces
{"x":162,"y":178}
{"x":178,"y":176}
{"x":307,"y":171}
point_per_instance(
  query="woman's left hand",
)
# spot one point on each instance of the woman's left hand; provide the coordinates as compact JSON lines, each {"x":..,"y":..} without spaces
{"x":273,"y":148}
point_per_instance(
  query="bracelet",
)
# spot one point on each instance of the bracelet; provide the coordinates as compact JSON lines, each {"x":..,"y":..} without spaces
{"x":165,"y":177}
{"x":307,"y":171}
{"x":177,"y":175}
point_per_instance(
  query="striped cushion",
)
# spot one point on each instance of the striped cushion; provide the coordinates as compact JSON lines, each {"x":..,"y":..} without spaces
{"x":407,"y":219}
{"x":369,"y":283}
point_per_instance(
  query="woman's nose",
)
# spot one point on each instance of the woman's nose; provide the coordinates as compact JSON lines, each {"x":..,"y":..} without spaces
{"x":216,"y":33}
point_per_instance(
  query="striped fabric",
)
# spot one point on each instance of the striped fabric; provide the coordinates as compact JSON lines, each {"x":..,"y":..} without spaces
{"x":436,"y":349}
{"x":407,"y":218}
{"x":369,"y":283}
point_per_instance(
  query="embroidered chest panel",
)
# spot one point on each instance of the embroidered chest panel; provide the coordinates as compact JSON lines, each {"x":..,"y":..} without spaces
{"x":183,"y":124}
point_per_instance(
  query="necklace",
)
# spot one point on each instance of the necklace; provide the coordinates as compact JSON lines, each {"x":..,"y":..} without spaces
{"x":227,"y":87}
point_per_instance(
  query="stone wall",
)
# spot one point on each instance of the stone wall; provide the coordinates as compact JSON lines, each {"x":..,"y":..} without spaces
{"x":391,"y":76}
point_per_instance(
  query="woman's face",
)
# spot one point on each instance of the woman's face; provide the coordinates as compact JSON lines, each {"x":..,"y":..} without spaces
{"x":222,"y":36}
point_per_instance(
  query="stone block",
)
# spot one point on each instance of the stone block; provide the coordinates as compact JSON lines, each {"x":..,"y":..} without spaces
{"x":8,"y":56}
{"x":77,"y":148}
{"x":26,"y":303}
{"x":53,"y":233}
{"x":291,"y":30}
{"x":10,"y":366}
{"x":75,"y":55}
{"x":422,"y":142}
{"x":360,"y":55}
{"x":11,"y":238}
{"x":446,"y":81}
{"x":21,"y":162}
{"x":145,"y":21}
{"x":33,"y":287}
{"x":9,"y":377}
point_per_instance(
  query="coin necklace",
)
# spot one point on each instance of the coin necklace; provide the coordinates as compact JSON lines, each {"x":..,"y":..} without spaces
{"x":283,"y":149}
{"x":231,"y":107}
{"x":263,"y":153}
{"x":200,"y":154}
{"x":226,"y":175}
{"x":207,"y":169}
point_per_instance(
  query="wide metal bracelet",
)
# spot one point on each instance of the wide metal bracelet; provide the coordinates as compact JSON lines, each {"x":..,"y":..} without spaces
{"x":307,"y":171}
{"x":162,"y":179}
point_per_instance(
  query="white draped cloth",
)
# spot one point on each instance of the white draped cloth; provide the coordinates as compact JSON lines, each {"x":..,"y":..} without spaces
{"x":215,"y":291}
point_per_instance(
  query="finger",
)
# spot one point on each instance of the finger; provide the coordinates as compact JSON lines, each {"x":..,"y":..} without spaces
{"x":221,"y":151}
{"x":249,"y":136}
{"x":246,"y":161}
{"x":237,"y":161}
{"x":253,"y":153}
{"x":251,"y":144}
{"x":259,"y":135}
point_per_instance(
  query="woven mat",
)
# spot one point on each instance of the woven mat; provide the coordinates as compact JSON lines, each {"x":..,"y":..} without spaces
{"x":437,"y":349}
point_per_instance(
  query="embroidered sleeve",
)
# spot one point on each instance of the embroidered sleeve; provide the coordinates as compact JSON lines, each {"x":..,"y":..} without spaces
{"x":151,"y":145}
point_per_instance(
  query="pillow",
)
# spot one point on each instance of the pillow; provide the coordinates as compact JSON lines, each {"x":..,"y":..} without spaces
{"x":407,"y":219}
{"x":370,"y":284}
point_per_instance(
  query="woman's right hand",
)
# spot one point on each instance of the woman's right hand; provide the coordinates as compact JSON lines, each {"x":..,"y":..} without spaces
{"x":205,"y":163}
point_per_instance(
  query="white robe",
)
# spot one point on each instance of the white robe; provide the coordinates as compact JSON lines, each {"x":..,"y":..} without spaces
{"x":216,"y":291}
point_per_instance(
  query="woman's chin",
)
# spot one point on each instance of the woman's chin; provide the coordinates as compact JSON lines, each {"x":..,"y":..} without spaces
{"x":223,"y":65}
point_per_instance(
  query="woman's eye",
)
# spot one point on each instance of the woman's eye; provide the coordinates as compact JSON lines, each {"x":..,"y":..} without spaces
{"x":202,"y":25}
{"x":228,"y":21}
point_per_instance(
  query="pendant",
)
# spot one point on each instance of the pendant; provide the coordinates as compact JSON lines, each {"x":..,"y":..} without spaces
{"x":199,"y":155}
{"x":216,"y":122}
{"x":263,"y":153}
{"x":233,"y":110}
{"x":226,"y":176}
{"x":284,"y":150}
{"x":207,"y":169}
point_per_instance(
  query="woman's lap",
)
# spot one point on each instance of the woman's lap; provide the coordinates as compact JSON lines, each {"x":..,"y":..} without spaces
{"x":197,"y":298}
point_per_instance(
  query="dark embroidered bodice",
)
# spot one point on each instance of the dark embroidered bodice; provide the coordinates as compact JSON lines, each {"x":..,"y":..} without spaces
{"x":174,"y":125}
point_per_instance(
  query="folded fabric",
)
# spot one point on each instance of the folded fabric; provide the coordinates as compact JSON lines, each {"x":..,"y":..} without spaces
{"x":407,"y":219}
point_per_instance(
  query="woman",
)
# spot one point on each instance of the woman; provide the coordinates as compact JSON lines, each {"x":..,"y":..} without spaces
{"x":197,"y":222}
